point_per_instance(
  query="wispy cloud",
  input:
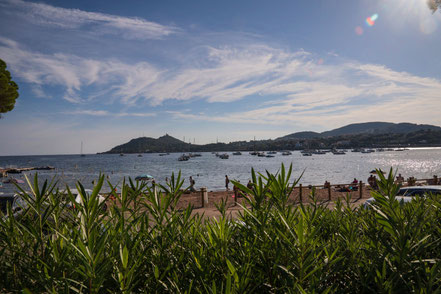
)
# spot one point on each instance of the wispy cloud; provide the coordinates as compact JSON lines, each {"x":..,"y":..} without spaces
{"x":299,"y":87}
{"x":128,"y":27}
{"x":107,"y":113}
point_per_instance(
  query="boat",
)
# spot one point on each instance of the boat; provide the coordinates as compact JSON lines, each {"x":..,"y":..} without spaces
{"x":81,"y":152}
{"x":338,"y":152}
{"x":272,"y":152}
{"x":306,"y":154}
{"x":121,"y":154}
{"x":12,"y":181}
{"x":261,"y":154}
{"x":269,"y":155}
{"x":286,"y":153}
{"x":164,"y":154}
{"x":254,"y":153}
{"x":144,"y":178}
{"x":183,"y":157}
{"x":237,"y":153}
{"x":139,"y":155}
{"x":224,"y":156}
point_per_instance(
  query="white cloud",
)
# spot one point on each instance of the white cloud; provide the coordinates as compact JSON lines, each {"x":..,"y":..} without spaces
{"x":298,"y":88}
{"x":107,"y":113}
{"x":128,"y":27}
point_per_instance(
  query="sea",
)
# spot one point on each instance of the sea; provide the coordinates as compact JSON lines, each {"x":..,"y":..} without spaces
{"x":209,"y":171}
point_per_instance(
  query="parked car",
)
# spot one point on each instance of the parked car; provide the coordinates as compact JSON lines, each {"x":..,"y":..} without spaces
{"x":405,"y":194}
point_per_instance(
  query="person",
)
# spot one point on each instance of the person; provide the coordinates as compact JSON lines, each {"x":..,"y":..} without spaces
{"x":227,"y":181}
{"x":354,"y":185}
{"x":236,"y":193}
{"x":326,"y":185}
{"x":400,"y":179}
{"x":192,"y":182}
{"x":372,"y":180}
{"x":250,"y":185}
{"x":166,"y":180}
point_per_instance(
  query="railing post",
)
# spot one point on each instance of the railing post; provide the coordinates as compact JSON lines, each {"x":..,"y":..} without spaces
{"x":204,"y":196}
{"x":360,"y":189}
{"x":300,"y":193}
{"x":329,"y":192}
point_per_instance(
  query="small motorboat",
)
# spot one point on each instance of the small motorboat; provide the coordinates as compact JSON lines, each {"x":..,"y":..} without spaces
{"x":237,"y":153}
{"x":183,"y":157}
{"x":224,"y":156}
{"x":285,"y":153}
{"x":144,"y":178}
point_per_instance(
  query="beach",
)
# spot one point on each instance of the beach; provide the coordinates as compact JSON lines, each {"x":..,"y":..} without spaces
{"x":215,"y":197}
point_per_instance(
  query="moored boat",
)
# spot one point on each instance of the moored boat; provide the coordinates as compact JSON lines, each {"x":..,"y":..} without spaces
{"x":184,"y":157}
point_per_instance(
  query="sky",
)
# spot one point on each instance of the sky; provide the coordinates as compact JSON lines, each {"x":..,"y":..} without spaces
{"x":105,"y":72}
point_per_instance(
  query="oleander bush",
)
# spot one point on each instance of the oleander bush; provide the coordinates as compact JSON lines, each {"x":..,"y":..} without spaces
{"x":142,"y":243}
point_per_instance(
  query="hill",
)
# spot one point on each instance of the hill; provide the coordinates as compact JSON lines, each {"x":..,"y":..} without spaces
{"x":165,"y":143}
{"x":300,"y":135}
{"x":373,"y":128}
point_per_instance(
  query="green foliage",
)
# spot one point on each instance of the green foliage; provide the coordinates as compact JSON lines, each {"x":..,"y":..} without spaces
{"x":8,"y":89}
{"x":142,"y":243}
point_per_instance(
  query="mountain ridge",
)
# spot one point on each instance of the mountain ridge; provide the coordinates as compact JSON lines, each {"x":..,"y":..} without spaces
{"x":370,"y":134}
{"x":364,"y":128}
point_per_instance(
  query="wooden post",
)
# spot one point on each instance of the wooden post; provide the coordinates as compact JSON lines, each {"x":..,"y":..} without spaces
{"x":204,"y":196}
{"x":360,"y":189}
{"x":329,"y":192}
{"x":300,"y":193}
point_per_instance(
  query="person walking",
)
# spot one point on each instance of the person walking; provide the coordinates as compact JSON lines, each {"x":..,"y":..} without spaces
{"x":227,"y":181}
{"x":192,"y":182}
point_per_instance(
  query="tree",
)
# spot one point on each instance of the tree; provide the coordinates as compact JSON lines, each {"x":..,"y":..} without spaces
{"x":434,"y":5}
{"x":8,"y":89}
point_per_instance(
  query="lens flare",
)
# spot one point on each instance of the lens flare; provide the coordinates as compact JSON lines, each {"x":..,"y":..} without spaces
{"x":371,"y":20}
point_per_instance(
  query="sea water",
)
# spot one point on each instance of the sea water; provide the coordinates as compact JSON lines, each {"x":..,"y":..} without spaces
{"x":209,"y":171}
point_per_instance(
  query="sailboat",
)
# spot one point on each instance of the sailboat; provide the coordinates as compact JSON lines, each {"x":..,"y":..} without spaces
{"x":81,"y":153}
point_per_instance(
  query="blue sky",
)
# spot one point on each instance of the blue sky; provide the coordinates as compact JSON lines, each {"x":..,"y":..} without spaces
{"x":104,"y":72}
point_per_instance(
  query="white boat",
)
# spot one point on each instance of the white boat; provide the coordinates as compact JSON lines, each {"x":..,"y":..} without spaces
{"x":338,"y":152}
{"x":237,"y":153}
{"x":286,"y":153}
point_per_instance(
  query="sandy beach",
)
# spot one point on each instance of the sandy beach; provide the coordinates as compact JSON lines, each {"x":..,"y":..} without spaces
{"x":210,"y":210}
